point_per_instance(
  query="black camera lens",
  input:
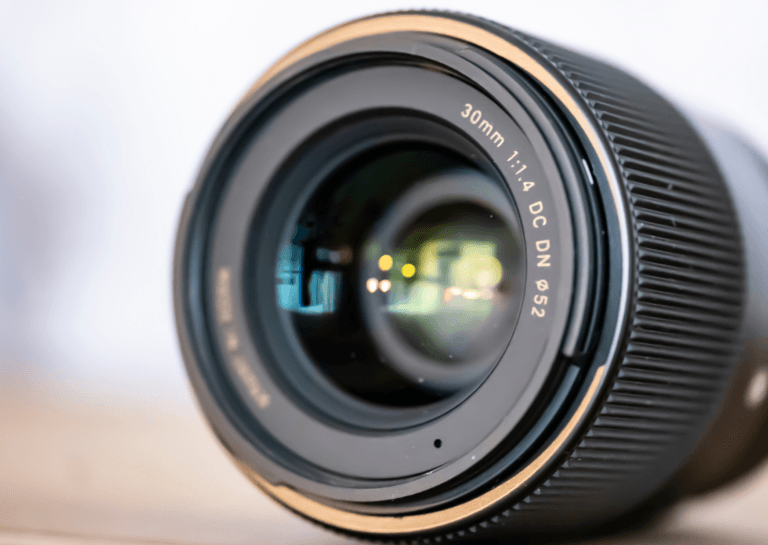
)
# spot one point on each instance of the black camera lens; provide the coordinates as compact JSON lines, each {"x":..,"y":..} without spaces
{"x":438,"y":279}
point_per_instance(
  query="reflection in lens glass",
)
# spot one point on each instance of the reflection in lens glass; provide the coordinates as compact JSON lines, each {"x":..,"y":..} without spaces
{"x":323,"y":287}
{"x":400,"y":272}
{"x":451,"y":281}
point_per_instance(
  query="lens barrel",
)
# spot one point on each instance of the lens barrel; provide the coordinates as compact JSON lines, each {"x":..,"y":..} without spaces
{"x":438,"y":278}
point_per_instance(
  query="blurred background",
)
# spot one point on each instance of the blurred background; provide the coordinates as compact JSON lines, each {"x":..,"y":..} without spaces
{"x":106,"y":111}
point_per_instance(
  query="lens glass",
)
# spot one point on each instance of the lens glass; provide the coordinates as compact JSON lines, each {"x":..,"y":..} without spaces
{"x":402,"y":274}
{"x":446,"y":283}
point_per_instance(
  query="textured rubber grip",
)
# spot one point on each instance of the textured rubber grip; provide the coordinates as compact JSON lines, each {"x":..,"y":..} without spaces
{"x":683,"y":336}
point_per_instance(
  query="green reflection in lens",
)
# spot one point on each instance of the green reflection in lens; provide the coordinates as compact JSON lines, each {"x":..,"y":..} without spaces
{"x":446,"y":288}
{"x":449,"y":274}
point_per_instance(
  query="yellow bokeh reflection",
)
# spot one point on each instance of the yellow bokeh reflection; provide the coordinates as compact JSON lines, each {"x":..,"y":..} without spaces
{"x":408,"y":270}
{"x":384,"y":285}
{"x":372,"y":285}
{"x":385,"y":262}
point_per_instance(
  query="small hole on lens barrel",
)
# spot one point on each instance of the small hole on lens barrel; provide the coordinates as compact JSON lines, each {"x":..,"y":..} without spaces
{"x":438,"y":443}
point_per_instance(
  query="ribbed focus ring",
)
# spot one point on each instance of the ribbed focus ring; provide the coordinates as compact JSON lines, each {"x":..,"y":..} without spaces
{"x":681,"y":343}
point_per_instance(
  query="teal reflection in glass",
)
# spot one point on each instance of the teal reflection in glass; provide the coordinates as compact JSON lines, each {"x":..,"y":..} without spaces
{"x":323,"y":286}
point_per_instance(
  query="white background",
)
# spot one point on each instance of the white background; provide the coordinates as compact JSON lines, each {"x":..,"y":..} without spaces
{"x":106,"y":110}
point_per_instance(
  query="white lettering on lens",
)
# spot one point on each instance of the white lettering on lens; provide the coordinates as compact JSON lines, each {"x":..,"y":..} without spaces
{"x":517,"y":164}
{"x":536,"y":209}
{"x":223,"y":291}
{"x":541,"y":247}
{"x":540,"y":300}
{"x":486,"y":127}
{"x":251,"y":382}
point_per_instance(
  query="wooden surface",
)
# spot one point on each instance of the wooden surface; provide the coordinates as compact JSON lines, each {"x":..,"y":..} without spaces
{"x":78,"y":469}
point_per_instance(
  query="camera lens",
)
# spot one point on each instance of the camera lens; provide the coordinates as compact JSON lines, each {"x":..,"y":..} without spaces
{"x":438,"y":279}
